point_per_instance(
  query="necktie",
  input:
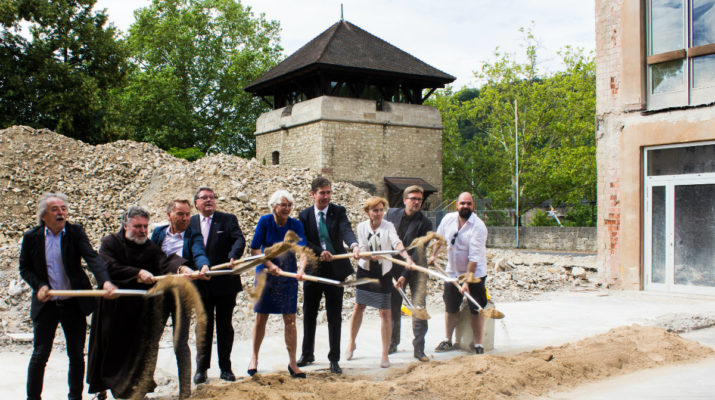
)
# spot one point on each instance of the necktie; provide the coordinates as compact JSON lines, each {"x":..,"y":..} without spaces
{"x":205,"y":227}
{"x":323,"y":232}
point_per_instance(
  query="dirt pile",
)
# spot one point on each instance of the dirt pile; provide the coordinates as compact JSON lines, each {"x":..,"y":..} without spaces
{"x":534,"y":373}
{"x":102,"y":181}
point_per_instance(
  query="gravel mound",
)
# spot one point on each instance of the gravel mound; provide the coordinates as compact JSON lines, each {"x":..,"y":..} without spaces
{"x":102,"y":181}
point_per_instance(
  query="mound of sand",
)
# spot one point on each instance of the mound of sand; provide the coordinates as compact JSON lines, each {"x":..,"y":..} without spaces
{"x":534,"y":373}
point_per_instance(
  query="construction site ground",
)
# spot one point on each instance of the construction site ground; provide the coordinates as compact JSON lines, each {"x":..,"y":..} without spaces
{"x":540,"y":324}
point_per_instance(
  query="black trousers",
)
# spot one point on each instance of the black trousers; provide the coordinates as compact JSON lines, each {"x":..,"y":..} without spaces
{"x":180,"y":328}
{"x":312,"y":293}
{"x":68,"y":314}
{"x":417,"y":283}
{"x":220,"y":310}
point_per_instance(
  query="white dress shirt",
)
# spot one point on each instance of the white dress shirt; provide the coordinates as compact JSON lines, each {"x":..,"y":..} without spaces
{"x":470,"y":244}
{"x":55,"y":267}
{"x":173,"y":243}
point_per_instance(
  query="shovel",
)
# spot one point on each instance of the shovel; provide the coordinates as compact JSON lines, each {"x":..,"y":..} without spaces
{"x":96,"y":292}
{"x":366,"y":254}
{"x":492,"y":313}
{"x":273,"y":251}
{"x":418,"y":312}
{"x":313,"y":278}
{"x":443,"y":277}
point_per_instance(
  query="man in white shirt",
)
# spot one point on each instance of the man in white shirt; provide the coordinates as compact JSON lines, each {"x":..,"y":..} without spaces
{"x":466,"y":237}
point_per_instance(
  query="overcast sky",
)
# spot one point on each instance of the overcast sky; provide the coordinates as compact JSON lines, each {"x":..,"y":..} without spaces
{"x":455,"y":36}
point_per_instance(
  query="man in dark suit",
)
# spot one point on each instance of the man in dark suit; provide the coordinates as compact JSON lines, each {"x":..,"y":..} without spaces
{"x":50,"y":259}
{"x":224,"y":242}
{"x":178,"y":238}
{"x":326,"y":229}
{"x":410,"y":224}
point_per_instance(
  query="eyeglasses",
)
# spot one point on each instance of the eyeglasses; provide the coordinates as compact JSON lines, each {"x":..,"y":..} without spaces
{"x":285,"y":205}
{"x":417,"y":199}
{"x":454,"y":238}
{"x":206,"y":198}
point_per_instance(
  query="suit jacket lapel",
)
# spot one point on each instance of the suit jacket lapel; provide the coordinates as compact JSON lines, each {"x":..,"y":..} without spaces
{"x":213,"y":229}
{"x":41,"y":251}
{"x":311,"y":231}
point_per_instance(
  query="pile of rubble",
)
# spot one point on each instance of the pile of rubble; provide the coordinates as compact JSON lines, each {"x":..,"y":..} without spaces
{"x":102,"y":181}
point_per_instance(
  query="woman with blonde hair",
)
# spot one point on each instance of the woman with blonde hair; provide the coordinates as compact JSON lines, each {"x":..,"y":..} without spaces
{"x":375,"y":234}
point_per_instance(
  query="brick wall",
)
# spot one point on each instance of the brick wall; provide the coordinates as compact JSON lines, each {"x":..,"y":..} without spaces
{"x":553,"y":238}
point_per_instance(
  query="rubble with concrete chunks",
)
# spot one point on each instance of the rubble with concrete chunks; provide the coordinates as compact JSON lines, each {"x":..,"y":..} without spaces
{"x":102,"y":181}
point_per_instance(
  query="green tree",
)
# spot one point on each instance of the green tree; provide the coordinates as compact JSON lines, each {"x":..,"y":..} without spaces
{"x":61,"y":78}
{"x":192,"y":59}
{"x":556,"y":132}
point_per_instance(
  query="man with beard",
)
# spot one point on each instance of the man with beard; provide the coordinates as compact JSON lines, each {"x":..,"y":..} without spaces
{"x":50,"y":258}
{"x":224,"y":242}
{"x":124,"y":331}
{"x":410,"y":224}
{"x":178,"y":238}
{"x":466,"y":237}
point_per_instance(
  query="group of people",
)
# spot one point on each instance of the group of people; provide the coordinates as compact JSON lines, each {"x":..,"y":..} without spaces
{"x":189,"y":245}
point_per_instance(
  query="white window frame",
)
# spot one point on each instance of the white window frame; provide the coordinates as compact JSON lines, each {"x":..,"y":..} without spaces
{"x":669,"y":182}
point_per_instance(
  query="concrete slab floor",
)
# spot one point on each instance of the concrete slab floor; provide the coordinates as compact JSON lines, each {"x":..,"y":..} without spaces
{"x":551,"y":319}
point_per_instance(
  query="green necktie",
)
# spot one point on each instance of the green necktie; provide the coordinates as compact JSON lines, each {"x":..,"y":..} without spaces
{"x":323,"y":231}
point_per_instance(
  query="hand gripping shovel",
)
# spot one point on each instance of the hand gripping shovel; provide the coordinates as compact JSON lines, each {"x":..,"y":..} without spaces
{"x":492,"y":313}
{"x":273,"y":251}
{"x":418,"y":312}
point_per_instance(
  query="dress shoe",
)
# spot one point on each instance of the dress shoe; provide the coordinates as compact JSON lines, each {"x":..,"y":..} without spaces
{"x":300,"y":375}
{"x":420,"y":355}
{"x":392,"y":349}
{"x":227,"y":375}
{"x":335,"y":368}
{"x":305,"y":360}
{"x":200,"y":376}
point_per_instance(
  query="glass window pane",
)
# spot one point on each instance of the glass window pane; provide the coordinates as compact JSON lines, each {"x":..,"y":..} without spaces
{"x":658,"y":235}
{"x":704,"y":71}
{"x":667,"y":76}
{"x":695,"y":235}
{"x":681,"y":160}
{"x":666,"y":26}
{"x":703,"y":22}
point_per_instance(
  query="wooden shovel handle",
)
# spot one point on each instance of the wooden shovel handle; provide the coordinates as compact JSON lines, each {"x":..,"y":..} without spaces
{"x":418,"y":268}
{"x":95,"y":292}
{"x":363,"y":254}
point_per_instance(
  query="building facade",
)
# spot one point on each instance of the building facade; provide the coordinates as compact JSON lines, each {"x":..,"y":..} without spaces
{"x":347,"y":139}
{"x":655,"y":65}
{"x":350,"y":106}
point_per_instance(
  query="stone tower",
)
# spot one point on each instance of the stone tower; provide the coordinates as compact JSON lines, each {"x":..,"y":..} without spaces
{"x":349,"y":104}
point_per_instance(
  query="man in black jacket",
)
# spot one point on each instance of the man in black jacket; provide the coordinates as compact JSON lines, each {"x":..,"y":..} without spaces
{"x":224,"y":242}
{"x":326,"y":229}
{"x":50,"y":259}
{"x":410,"y":223}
